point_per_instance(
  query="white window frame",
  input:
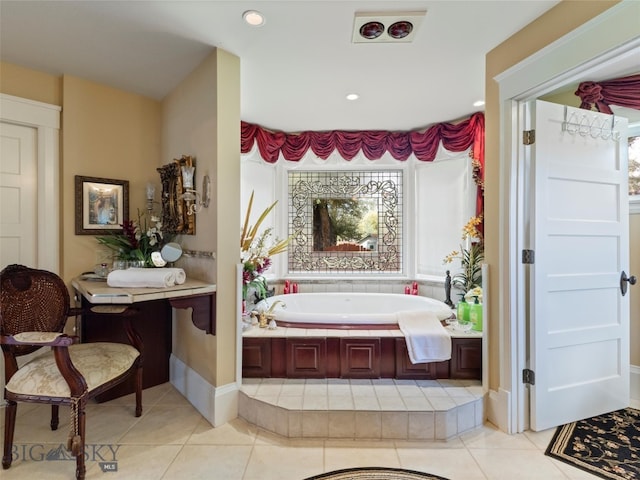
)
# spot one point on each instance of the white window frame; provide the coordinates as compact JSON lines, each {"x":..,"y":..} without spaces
{"x":273,"y":186}
{"x":634,"y":200}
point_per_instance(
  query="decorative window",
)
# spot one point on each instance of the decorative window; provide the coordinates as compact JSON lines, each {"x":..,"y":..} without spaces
{"x":345,"y":221}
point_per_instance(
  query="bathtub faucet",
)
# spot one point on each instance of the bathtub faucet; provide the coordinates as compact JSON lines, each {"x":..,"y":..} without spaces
{"x":265,"y":317}
{"x":273,"y":305}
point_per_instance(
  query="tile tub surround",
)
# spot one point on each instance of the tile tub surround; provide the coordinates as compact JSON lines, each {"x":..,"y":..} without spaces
{"x":426,"y":288}
{"x":362,"y":409}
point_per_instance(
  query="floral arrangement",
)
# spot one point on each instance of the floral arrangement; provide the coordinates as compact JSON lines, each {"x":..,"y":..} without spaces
{"x":470,"y":258}
{"x":471,"y":295}
{"x":137,"y":241}
{"x":256,"y":252}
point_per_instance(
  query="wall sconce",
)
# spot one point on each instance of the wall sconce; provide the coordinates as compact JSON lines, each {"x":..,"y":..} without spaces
{"x":195,"y":201}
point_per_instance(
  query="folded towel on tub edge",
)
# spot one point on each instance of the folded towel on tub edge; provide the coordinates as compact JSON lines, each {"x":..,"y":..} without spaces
{"x":427,"y":340}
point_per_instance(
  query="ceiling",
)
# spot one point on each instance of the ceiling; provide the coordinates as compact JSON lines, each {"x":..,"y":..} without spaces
{"x":296,"y":69}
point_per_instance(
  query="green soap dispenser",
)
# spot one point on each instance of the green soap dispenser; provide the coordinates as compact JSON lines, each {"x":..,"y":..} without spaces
{"x":463,"y":311}
{"x":475,"y":315}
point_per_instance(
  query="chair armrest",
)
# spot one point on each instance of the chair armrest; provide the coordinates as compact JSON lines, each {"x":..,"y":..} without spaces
{"x":43,"y":339}
{"x":75,"y":311}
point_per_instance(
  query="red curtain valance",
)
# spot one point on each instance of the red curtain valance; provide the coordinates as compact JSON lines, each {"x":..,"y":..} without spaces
{"x":624,"y":92}
{"x":455,"y":137}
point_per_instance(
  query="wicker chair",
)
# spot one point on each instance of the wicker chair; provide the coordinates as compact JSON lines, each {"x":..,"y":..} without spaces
{"x":34,"y":308}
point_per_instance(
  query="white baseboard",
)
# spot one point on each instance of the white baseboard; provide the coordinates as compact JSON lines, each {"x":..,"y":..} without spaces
{"x":217,"y":404}
{"x":634,"y":373}
{"x":498,"y":409}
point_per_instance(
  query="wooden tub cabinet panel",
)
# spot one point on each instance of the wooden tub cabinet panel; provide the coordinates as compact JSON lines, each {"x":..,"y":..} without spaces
{"x":354,"y":357}
{"x":466,"y":359}
{"x":360,"y":358}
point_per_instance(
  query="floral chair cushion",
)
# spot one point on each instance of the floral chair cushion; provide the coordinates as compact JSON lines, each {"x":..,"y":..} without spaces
{"x":97,"y":362}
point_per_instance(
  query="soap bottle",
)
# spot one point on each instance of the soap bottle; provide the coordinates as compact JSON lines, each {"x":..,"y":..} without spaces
{"x":475,"y":315}
{"x":463,"y":311}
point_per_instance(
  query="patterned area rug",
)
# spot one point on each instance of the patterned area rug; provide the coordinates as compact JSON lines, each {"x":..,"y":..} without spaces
{"x":607,"y":445}
{"x":375,"y":473}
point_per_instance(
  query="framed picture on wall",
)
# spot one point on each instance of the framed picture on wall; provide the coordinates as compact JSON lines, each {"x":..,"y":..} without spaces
{"x":102,"y":205}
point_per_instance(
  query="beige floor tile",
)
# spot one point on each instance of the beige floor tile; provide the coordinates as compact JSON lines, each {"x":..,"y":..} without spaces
{"x":171,"y":397}
{"x":338,"y":458}
{"x":363,"y":390}
{"x":452,"y":444}
{"x":450,"y":463}
{"x":34,"y":426}
{"x":520,"y":464}
{"x":280,"y":463}
{"x":541,"y":439}
{"x":366,"y":403}
{"x":290,"y":402}
{"x":340,"y":402}
{"x":222,"y":462}
{"x":41,"y":468}
{"x":235,"y":432}
{"x":149,"y":396}
{"x":492,"y":438}
{"x":139,"y":462}
{"x":164,"y":425}
{"x":107,"y":424}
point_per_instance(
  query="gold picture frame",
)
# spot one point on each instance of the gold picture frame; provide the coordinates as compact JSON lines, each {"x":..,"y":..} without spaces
{"x":101,"y":204}
{"x":175,"y":219}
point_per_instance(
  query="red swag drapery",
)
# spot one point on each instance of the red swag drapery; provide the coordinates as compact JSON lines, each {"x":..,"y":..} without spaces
{"x":624,"y":92}
{"x":374,"y":143}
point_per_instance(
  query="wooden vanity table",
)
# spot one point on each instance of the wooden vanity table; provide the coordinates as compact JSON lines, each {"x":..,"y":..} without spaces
{"x":151,"y":317}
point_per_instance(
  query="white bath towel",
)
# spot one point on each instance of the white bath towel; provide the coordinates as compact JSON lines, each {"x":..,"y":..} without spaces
{"x":142,"y":277}
{"x":427,"y":340}
{"x":181,"y":277}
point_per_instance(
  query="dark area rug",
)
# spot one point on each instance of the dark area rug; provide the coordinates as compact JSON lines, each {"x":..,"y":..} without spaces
{"x":607,"y":445}
{"x":375,"y":473}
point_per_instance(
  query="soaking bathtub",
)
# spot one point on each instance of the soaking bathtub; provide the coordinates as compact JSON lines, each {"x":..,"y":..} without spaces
{"x":350,"y":335}
{"x":370,"y":311}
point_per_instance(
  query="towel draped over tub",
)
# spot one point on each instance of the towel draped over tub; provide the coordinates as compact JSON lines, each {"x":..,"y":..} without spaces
{"x":427,"y":340}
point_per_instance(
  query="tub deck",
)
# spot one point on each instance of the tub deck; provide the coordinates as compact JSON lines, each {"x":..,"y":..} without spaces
{"x":352,"y":354}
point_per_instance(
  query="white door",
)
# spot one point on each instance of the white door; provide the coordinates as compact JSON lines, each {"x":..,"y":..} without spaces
{"x":18,"y":195}
{"x":579,"y":320}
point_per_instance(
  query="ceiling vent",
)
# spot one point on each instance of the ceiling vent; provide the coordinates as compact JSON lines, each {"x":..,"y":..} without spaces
{"x":386,"y":27}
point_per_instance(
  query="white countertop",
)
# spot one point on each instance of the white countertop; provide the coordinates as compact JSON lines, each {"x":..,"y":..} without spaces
{"x":98,"y":292}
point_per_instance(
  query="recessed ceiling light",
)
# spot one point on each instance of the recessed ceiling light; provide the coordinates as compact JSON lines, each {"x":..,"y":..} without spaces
{"x":253,"y":18}
{"x":353,"y":96}
{"x":479,"y":103}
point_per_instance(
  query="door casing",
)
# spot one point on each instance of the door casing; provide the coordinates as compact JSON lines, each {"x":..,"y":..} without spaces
{"x":606,"y":47}
{"x":45,"y":118}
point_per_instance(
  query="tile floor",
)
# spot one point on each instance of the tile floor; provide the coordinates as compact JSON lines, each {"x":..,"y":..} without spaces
{"x":363,"y":409}
{"x":172,"y":441}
